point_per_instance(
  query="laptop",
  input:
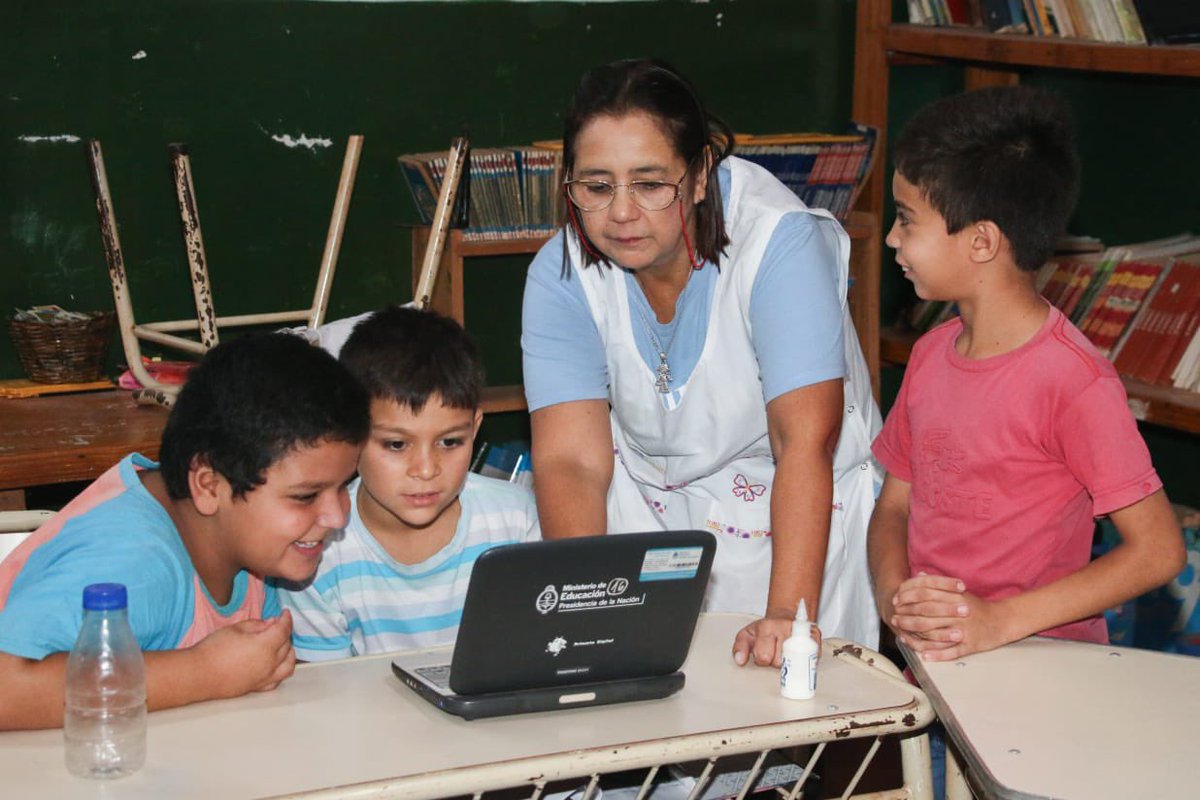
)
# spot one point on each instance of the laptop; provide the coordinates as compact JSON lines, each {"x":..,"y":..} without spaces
{"x":569,"y":623}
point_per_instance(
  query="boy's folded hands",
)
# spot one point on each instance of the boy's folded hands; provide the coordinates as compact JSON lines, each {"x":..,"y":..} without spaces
{"x":251,"y":656}
{"x":937,"y":618}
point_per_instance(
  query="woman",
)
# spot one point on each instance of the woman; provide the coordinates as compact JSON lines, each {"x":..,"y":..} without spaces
{"x":689,"y":362}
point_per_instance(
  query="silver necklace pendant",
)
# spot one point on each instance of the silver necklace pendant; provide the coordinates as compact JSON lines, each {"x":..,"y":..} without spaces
{"x":662,"y":379}
{"x":662,"y":373}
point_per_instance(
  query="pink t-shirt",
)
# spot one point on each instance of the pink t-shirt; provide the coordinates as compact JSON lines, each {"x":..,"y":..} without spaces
{"x":1010,"y":458}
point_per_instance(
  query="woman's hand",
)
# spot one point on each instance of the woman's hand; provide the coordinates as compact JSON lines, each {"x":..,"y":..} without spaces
{"x":763,"y":639}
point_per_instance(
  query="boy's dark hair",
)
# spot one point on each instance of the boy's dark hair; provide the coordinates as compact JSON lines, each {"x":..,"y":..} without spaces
{"x":407,"y":355}
{"x":654,"y":87}
{"x":1004,"y":154}
{"x":253,"y":399}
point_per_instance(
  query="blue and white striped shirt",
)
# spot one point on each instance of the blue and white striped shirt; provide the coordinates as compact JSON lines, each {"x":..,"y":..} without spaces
{"x":364,"y":601}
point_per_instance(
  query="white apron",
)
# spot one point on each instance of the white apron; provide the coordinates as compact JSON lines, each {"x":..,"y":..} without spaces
{"x":706,"y":462}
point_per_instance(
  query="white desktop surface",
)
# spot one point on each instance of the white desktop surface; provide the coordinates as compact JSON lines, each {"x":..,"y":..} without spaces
{"x":1051,"y":718}
{"x":352,"y":722}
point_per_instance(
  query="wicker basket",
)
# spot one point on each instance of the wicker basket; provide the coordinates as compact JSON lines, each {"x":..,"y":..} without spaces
{"x":63,"y":352}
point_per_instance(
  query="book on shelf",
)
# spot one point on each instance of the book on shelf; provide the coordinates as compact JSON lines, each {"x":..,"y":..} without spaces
{"x":1116,"y":21}
{"x":1182,"y":329}
{"x":1186,"y":374}
{"x":1169,"y":324}
{"x":1118,"y":302}
{"x":506,"y":193}
{"x":823,"y":170}
{"x":1142,"y":354}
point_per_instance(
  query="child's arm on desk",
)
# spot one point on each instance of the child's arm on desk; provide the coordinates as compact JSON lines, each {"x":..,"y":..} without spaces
{"x":1150,"y":554}
{"x":253,"y":655}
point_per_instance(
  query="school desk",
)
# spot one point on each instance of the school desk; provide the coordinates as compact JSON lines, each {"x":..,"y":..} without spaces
{"x":350,"y":729}
{"x":1050,"y":718}
{"x":72,"y":437}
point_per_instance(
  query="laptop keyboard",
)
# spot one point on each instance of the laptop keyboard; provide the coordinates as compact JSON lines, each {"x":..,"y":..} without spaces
{"x":438,"y":675}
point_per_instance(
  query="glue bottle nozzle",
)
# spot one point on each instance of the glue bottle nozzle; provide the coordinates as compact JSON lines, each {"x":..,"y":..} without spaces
{"x":802,"y":612}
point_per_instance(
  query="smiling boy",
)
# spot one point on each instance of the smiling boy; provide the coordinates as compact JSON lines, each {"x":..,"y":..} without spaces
{"x":396,"y":576}
{"x":256,"y":455}
{"x":1010,"y":432}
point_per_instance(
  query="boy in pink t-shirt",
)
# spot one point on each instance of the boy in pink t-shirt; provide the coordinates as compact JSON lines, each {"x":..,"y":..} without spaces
{"x":1010,"y":432}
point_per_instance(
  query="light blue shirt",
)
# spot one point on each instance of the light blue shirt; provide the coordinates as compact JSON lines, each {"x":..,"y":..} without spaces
{"x":129,"y":539}
{"x":795,"y":318}
{"x":364,"y":601}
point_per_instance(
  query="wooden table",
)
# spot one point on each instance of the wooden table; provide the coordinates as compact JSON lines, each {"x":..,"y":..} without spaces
{"x":1046,"y":718}
{"x":350,"y":729}
{"x":72,"y":437}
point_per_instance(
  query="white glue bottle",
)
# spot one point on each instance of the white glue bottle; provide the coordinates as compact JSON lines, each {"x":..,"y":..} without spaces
{"x":798,"y":675}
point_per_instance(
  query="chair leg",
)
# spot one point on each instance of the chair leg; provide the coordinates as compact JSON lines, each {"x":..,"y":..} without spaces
{"x":337,"y":229}
{"x":956,"y":782}
{"x":189,"y":213}
{"x":116,"y":269}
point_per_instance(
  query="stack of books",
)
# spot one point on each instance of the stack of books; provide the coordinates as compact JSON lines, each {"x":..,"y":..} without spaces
{"x":1118,"y":21}
{"x":1139,"y":304}
{"x":824,"y":170}
{"x":512,"y":192}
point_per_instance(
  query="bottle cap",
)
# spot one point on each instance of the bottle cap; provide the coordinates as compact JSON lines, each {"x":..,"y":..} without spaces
{"x":104,"y":597}
{"x":802,"y":612}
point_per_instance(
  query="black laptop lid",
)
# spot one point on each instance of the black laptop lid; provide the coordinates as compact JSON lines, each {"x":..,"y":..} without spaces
{"x":582,"y":610}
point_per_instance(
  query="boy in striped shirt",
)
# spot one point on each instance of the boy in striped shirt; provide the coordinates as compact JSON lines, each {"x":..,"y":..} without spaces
{"x":396,"y":576}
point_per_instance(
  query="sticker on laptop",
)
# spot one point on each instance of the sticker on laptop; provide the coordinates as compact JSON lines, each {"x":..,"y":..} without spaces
{"x":671,"y":563}
{"x":587,"y":596}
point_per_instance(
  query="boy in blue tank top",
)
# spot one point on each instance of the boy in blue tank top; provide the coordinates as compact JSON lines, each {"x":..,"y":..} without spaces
{"x":396,"y":576}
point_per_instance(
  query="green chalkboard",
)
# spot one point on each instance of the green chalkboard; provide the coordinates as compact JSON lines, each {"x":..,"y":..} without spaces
{"x":242,"y":82}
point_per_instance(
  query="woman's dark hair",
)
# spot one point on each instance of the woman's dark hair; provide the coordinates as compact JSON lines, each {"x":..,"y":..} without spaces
{"x":1005,"y":154}
{"x":654,"y":87}
{"x":408,"y":355}
{"x":252,"y":400}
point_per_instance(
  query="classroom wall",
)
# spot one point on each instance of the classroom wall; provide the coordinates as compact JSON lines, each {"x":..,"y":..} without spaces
{"x":242,"y":82}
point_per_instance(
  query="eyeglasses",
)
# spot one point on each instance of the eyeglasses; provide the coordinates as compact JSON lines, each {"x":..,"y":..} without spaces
{"x":591,"y":195}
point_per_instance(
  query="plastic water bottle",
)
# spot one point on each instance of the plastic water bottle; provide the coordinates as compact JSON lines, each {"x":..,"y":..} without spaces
{"x":104,"y":724}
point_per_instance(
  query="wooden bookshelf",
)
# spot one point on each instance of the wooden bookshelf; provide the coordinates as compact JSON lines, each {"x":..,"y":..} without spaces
{"x":969,"y":45}
{"x":498,"y":399}
{"x":1158,"y":405}
{"x":990,"y":59}
{"x":865,"y":254}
